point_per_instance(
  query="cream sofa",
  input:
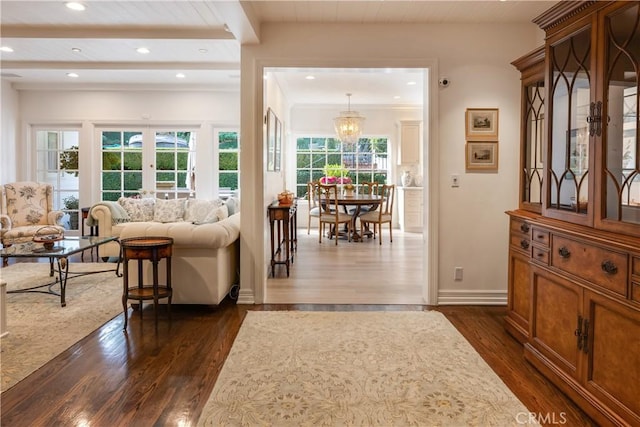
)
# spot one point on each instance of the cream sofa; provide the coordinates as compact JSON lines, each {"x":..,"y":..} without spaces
{"x":205,"y":256}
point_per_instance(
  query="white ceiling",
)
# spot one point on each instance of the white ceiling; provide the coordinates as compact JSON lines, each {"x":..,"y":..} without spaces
{"x":202,"y":39}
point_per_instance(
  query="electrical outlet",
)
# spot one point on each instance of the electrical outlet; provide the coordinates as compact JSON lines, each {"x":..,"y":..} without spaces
{"x":455,"y":181}
{"x":457,"y":274}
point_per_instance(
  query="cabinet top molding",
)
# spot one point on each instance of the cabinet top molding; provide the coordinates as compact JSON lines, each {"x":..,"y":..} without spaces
{"x":563,"y":11}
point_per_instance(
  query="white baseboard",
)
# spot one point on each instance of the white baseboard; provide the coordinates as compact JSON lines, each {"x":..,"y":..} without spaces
{"x":246,"y":297}
{"x":471,"y":297}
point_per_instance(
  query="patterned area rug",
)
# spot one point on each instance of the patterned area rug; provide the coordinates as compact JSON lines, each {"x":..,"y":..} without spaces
{"x":356,"y":369}
{"x":39,"y":328}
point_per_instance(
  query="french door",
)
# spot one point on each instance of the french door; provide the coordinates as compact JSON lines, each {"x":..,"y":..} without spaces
{"x":147,"y":162}
{"x":57,"y":163}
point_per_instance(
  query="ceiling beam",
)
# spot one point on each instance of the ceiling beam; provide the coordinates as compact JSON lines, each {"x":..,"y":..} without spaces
{"x":63,"y":65}
{"x":241,"y":20}
{"x":114,"y":32}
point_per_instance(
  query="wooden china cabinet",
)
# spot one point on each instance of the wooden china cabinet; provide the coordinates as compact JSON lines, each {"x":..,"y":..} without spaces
{"x":574,"y":253}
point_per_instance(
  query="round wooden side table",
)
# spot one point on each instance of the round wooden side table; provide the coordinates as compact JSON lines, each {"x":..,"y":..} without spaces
{"x":146,"y":249}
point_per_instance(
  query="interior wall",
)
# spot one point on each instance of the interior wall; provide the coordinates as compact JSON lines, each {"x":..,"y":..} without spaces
{"x":472,"y":229}
{"x":8,"y":141}
{"x":274,"y":181}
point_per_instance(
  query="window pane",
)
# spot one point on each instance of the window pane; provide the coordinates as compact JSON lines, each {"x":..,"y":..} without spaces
{"x":366,"y":161}
{"x":228,"y":161}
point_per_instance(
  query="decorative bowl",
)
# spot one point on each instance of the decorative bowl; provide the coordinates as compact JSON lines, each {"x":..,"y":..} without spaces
{"x":285,"y":198}
{"x":48,"y":236}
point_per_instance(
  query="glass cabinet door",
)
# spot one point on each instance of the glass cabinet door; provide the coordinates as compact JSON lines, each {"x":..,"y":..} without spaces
{"x":568,"y":169}
{"x":533,"y":123}
{"x":621,"y":163}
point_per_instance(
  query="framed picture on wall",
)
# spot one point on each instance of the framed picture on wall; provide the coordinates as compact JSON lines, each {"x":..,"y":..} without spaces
{"x":278,"y":151}
{"x":481,"y":124}
{"x":481,"y":155}
{"x":271,"y":140}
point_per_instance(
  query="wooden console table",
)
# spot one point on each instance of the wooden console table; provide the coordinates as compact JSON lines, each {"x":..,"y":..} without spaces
{"x":283,"y":247}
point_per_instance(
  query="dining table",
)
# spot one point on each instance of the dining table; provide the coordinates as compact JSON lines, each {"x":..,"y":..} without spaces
{"x":357,"y":201}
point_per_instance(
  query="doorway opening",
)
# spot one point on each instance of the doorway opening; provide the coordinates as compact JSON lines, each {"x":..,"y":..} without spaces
{"x":307,"y":101}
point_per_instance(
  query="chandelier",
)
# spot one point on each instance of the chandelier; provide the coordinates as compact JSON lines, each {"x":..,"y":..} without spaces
{"x":349,"y":125}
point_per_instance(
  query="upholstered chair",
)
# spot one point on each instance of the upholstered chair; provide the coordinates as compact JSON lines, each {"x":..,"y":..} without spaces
{"x":24,"y":209}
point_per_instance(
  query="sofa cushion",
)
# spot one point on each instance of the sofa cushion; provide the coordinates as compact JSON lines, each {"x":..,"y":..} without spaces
{"x":185,"y":234}
{"x":198,"y":209}
{"x":138,"y":209}
{"x":168,"y":210}
{"x":218,"y":214}
{"x":233,"y":205}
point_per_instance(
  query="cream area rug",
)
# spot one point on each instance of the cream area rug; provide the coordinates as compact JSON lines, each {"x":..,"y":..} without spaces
{"x":356,"y":369}
{"x":39,"y":328}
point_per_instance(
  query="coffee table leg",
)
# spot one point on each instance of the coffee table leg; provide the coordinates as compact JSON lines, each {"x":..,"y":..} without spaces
{"x":63,"y":273}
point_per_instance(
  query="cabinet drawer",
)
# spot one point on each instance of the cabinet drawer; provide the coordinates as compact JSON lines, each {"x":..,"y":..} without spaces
{"x":597,"y":265}
{"x":521,"y":227}
{"x":635,"y":269}
{"x":635,"y":292}
{"x":540,"y":255}
{"x":540,"y":236}
{"x":520,"y":241}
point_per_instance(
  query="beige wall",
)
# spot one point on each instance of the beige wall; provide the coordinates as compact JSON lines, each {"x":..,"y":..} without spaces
{"x":8,"y":141}
{"x":468,"y":225}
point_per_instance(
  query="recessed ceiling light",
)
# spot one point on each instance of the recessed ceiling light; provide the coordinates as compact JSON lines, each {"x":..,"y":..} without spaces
{"x":310,"y":78}
{"x":143,"y":50}
{"x":6,"y":49}
{"x":74,"y":5}
{"x":396,"y":97}
{"x":76,"y":49}
{"x":181,"y":75}
{"x":203,"y":50}
{"x":73,"y":75}
{"x":411,"y":83}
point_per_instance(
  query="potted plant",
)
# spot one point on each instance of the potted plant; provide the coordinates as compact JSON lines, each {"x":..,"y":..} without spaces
{"x":335,"y":174}
{"x":71,"y":206}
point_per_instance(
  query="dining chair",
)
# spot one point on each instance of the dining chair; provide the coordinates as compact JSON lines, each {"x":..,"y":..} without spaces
{"x":383,"y":214}
{"x":329,"y":213}
{"x":314,"y":208}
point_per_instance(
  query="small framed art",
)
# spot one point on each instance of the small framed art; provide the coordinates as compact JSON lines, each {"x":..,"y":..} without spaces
{"x":481,"y":155}
{"x":271,"y":140}
{"x":481,"y":124}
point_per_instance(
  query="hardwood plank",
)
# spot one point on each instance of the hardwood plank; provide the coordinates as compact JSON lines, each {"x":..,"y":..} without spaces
{"x":163,"y":376}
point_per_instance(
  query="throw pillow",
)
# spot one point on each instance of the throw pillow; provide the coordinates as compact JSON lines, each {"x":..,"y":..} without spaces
{"x":138,"y":209}
{"x":218,"y":214}
{"x":198,"y":209}
{"x":169,"y":210}
{"x":233,"y":204}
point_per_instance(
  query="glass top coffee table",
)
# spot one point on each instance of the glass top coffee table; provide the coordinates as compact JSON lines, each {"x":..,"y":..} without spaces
{"x":62,"y":249}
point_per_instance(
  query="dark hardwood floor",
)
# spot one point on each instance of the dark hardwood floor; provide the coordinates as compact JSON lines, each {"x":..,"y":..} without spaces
{"x":163,"y":376}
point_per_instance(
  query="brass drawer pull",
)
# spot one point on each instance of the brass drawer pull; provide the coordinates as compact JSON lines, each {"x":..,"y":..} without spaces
{"x":564,"y":252}
{"x":609,"y":267}
{"x":524,"y":243}
{"x":524,"y":227}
